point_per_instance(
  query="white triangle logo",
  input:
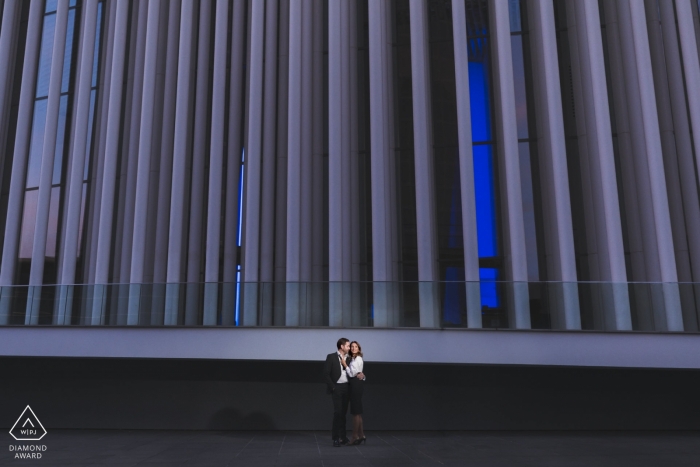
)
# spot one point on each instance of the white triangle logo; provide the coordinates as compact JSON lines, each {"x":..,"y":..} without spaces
{"x":28,"y":427}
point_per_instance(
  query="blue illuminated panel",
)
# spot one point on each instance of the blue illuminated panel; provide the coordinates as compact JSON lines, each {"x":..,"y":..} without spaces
{"x":489,"y":292}
{"x":484,"y":180}
{"x":480,"y":106}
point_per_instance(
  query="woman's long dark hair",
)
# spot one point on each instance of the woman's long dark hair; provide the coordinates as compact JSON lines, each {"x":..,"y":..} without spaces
{"x":359,"y":349}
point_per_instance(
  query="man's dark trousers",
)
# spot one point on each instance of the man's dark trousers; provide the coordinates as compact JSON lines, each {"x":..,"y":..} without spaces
{"x":341,"y":397}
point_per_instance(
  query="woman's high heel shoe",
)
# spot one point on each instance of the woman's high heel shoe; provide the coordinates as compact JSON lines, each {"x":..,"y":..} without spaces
{"x":360,"y":441}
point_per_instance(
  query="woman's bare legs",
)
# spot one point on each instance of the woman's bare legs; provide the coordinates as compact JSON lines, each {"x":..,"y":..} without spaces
{"x":357,"y":427}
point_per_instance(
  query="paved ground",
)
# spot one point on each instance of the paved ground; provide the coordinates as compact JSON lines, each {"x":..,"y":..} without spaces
{"x":308,"y":448}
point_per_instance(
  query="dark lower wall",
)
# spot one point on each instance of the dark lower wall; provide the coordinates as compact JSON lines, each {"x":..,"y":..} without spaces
{"x":100,"y":393}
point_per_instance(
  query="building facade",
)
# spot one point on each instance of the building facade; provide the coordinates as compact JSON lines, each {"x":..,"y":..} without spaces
{"x":478,"y":163}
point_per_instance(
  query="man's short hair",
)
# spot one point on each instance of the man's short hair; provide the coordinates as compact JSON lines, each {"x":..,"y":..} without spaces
{"x":342,"y":341}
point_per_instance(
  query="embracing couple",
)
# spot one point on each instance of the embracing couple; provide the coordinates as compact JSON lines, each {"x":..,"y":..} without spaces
{"x":345,"y":382}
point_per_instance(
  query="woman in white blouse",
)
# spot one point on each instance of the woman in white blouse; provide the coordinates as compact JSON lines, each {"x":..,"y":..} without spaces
{"x":356,"y":388}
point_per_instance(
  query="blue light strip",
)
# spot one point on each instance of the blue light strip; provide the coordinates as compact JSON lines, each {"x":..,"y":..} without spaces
{"x":240,"y":230}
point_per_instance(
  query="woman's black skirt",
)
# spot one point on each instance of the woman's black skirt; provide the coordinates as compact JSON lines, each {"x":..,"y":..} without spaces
{"x":357,"y":387}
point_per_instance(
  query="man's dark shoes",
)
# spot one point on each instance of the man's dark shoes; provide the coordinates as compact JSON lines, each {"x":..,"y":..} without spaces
{"x":344,"y":441}
{"x":336,"y":443}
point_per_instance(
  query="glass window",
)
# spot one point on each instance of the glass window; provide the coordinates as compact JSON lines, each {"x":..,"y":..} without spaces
{"x":86,"y":171}
{"x":485,"y":200}
{"x":42,"y":83}
{"x":514,"y":13}
{"x":480,"y":105}
{"x":28,"y":223}
{"x":37,"y":143}
{"x":52,"y":233}
{"x":39,"y":127}
{"x":455,"y":297}
{"x":82,"y":219}
{"x":68,"y":56}
{"x":516,"y":42}
{"x":96,"y":52}
{"x":51,"y":5}
{"x":60,"y":140}
{"x":489,"y":287}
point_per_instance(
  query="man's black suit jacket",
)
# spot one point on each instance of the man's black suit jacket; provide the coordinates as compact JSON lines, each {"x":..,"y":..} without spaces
{"x":331,"y":370}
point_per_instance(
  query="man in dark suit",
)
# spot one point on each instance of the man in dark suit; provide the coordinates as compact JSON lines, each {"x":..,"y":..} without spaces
{"x":337,"y":387}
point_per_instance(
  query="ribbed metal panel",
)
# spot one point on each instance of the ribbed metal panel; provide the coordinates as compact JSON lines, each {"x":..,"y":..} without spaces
{"x":281,"y":144}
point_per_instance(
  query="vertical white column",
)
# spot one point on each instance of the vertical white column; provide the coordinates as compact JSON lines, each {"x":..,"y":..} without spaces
{"x":654,"y":160}
{"x":632,"y":149}
{"x":359,"y":315}
{"x":130,"y":200}
{"x":642,"y":259}
{"x":594,"y":107}
{"x":8,"y":51}
{"x":674,"y":181}
{"x":280,"y":275}
{"x":384,"y":270}
{"x":636,"y":207}
{"x":668,"y":145}
{"x":299,"y":175}
{"x":428,"y":274}
{"x":345,"y":246}
{"x":157,"y":162}
{"x":177,"y":197}
{"x":104,"y":239}
{"x":125,"y":165}
{"x":233,"y":166}
{"x":553,"y":162}
{"x":691,"y":68}
{"x":138,"y":250}
{"x":583,"y":156}
{"x":199,"y":151}
{"x":253,"y":163}
{"x":395,"y":288}
{"x":161,"y":164}
{"x":681,"y":132}
{"x":20,"y":154}
{"x":75,"y":180}
{"x":68,"y":162}
{"x":509,"y":165}
{"x":216,"y":165}
{"x":347,"y":161}
{"x":466,"y":165}
{"x":168,"y":132}
{"x":269,"y":146}
{"x":36,"y":274}
{"x":101,"y":110}
{"x":602,"y":304}
{"x":49,"y":147}
{"x":294,"y":158}
{"x":338,"y":232}
{"x":318,"y":216}
{"x":78,"y":155}
{"x":636,"y":202}
{"x":8,"y":33}
{"x":307,"y":181}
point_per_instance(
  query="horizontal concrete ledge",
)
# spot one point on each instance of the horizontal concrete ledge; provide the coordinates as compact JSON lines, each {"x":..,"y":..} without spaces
{"x":593,"y":349}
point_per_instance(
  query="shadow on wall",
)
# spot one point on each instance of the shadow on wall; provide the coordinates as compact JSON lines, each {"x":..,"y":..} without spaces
{"x":229,"y":418}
